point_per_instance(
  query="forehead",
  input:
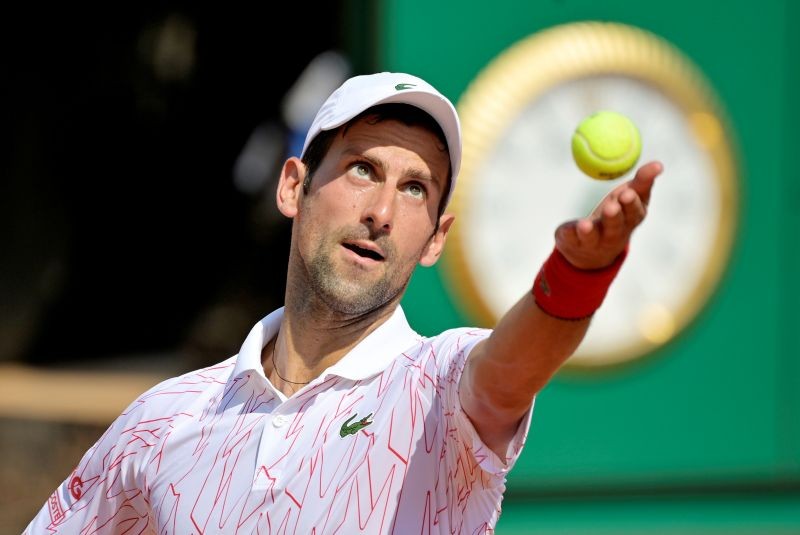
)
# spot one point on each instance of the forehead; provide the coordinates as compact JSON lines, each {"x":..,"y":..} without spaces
{"x":369,"y":135}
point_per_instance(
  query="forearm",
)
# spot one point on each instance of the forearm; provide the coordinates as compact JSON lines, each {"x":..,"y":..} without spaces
{"x":537,"y":335}
{"x":530,"y":344}
{"x":525,"y":349}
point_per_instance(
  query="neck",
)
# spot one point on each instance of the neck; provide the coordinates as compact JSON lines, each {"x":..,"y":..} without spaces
{"x":313,"y":336}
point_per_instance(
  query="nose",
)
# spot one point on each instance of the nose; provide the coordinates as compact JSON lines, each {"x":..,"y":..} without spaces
{"x":379,"y":213}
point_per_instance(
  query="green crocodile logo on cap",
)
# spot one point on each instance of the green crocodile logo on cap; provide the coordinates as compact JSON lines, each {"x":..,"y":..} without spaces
{"x":400,"y":87}
{"x":354,"y":428}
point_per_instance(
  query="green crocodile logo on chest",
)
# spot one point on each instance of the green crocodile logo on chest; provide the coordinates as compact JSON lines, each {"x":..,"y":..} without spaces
{"x":355,"y":427}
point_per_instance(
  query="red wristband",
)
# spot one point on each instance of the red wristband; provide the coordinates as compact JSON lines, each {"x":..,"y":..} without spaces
{"x":566,"y":292}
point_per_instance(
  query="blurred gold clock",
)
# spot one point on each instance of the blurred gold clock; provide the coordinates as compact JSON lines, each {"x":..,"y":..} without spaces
{"x":518,"y":181}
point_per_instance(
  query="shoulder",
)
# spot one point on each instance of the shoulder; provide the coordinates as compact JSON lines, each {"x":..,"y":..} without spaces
{"x":177,"y":394}
{"x":446,"y":351}
{"x":458,"y":340}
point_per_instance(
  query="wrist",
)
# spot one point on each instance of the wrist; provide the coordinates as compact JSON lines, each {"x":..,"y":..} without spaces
{"x":565,"y":292}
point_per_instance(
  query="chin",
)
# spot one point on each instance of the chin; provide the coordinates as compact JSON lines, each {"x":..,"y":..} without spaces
{"x":358,"y":300}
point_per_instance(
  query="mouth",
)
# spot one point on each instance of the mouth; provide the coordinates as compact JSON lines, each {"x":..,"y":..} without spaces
{"x":364,"y":251}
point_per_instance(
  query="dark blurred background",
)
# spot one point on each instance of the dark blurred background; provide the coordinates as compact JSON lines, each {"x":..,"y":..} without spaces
{"x":136,"y":201}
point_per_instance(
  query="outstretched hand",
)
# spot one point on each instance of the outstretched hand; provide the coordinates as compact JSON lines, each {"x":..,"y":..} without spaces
{"x":595,"y":241}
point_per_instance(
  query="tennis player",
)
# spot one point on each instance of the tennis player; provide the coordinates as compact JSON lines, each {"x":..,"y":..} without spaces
{"x":335,"y":416}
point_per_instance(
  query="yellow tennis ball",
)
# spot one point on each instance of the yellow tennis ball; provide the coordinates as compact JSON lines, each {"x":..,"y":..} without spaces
{"x":606,"y":145}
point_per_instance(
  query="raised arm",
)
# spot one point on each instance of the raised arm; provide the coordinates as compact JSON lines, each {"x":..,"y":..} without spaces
{"x":544,"y":328}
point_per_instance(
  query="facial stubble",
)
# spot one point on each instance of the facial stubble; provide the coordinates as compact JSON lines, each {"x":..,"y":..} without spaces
{"x":350,"y":294}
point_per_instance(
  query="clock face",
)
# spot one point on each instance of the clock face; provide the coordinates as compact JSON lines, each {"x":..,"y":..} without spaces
{"x":521,"y":183}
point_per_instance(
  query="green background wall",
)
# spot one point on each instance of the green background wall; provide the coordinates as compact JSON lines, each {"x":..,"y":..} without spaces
{"x":703,"y":436}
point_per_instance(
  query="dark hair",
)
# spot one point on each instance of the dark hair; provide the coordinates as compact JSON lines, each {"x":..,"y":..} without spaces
{"x":404,"y":113}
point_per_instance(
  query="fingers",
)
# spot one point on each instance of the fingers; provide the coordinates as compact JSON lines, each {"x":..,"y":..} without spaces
{"x":632,"y":207}
{"x":612,"y":220}
{"x":595,"y":241}
{"x":587,"y":232}
{"x":642,"y":183}
{"x":619,"y":214}
{"x":579,"y":231}
{"x":625,"y":207}
{"x":616,"y":216}
{"x":634,"y":196}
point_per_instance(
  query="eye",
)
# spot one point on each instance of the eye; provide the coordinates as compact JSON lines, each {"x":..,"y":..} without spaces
{"x":361,"y":170}
{"x":416,"y":189}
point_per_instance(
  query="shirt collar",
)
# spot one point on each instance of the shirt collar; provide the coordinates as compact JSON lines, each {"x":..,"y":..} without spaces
{"x":249,"y":358}
{"x":369,"y":357}
{"x":375,"y":352}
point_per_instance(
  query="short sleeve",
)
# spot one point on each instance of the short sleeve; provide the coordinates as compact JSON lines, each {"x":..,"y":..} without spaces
{"x":453,"y":348}
{"x":106,"y":493}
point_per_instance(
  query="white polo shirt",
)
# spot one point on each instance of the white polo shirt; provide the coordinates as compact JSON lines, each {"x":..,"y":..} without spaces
{"x":377,"y":444}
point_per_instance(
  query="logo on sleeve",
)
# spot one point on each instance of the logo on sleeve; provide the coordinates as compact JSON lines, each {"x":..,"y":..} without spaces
{"x":56,"y":509}
{"x":76,"y":487}
{"x":355,"y":427}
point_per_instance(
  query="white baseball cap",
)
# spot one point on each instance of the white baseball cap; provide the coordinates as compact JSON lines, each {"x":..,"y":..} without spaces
{"x":359,"y":93}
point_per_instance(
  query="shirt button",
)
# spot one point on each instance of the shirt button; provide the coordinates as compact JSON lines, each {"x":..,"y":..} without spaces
{"x":279,"y":420}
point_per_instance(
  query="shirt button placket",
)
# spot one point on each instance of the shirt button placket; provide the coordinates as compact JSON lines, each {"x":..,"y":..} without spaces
{"x":279,"y":420}
{"x":267,"y":440}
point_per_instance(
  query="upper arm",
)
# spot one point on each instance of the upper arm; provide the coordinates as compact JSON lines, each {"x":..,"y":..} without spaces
{"x":504,"y":372}
{"x":106,"y":491}
{"x":480,"y":397}
{"x":103,"y":490}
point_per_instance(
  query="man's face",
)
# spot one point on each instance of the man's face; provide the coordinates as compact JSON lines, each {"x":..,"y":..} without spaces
{"x":370,"y":214}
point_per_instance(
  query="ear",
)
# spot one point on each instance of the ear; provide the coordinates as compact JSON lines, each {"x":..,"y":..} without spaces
{"x":435,"y":246}
{"x":290,"y":186}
